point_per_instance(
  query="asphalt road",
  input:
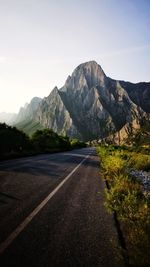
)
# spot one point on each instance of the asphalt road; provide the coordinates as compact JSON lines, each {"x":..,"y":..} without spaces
{"x":41,"y":227}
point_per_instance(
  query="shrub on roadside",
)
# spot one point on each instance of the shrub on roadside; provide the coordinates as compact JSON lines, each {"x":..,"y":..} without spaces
{"x":125,"y":197}
{"x":75,"y":143}
{"x":112,"y":166}
{"x":139,"y":161}
{"x":12,"y":140}
{"x":47,"y":141}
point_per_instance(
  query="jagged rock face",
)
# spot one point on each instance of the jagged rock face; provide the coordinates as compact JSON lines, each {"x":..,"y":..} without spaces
{"x":80,"y":95}
{"x":121,"y":136}
{"x":118,"y":103}
{"x":53,"y":114}
{"x":97,"y":104}
{"x":92,"y":106}
{"x":139,"y":94}
{"x":28,"y":111}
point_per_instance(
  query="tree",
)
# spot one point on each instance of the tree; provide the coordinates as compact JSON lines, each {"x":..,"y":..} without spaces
{"x":47,"y":140}
{"x":12,"y":139}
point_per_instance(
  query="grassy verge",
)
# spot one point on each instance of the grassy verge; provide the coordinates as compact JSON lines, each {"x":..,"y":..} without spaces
{"x":126,"y":198}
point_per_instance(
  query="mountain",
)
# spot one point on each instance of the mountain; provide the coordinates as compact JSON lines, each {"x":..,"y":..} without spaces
{"x":8,"y":118}
{"x":92,"y":106}
{"x":27,"y":112}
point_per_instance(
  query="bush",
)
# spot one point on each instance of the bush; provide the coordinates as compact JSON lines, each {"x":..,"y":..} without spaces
{"x":12,"y":140}
{"x":125,"y":197}
{"x":112,"y":165}
{"x":75,"y":143}
{"x":46,"y":141}
{"x":139,"y":161}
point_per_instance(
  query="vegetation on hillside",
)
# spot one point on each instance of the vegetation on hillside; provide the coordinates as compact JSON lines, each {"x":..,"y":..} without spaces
{"x":126,"y":198}
{"x":29,"y":126}
{"x":14,"y":142}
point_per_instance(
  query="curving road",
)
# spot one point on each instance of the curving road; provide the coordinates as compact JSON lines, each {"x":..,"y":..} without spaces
{"x":52,"y":213}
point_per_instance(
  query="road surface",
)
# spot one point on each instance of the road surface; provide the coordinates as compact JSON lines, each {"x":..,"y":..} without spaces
{"x":52,"y":213}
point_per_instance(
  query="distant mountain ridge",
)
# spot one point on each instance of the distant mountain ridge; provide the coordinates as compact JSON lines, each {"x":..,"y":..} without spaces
{"x":28,"y":111}
{"x":91,"y":105}
{"x":8,"y":118}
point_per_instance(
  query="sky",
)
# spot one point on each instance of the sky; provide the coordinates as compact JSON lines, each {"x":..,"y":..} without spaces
{"x":43,"y":41}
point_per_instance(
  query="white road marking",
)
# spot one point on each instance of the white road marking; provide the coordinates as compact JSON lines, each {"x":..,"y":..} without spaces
{"x":28,"y":219}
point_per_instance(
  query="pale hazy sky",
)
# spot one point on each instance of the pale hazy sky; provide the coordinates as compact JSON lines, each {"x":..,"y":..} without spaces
{"x":42,"y":41}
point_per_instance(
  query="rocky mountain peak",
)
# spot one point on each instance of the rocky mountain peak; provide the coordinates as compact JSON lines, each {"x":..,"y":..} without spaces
{"x":35,"y":100}
{"x":92,"y":72}
{"x":55,"y":90}
{"x":86,"y":75}
{"x":91,"y":105}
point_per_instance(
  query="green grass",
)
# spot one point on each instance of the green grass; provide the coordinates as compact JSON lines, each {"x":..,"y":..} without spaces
{"x":126,"y":198}
{"x":139,"y":161}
